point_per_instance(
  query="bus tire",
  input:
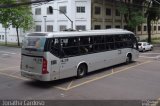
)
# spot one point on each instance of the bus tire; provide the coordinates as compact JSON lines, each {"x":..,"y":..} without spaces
{"x":129,"y":58}
{"x":82,"y":70}
{"x":143,"y":50}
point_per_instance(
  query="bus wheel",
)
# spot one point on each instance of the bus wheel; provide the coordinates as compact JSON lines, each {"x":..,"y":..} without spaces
{"x":144,"y":50}
{"x":129,"y":59}
{"x":81,"y":71}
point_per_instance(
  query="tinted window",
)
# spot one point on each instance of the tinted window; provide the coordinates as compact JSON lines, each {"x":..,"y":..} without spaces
{"x":53,"y":46}
{"x":69,"y":46}
{"x":86,"y":44}
{"x":99,"y":43}
{"x":110,"y":44}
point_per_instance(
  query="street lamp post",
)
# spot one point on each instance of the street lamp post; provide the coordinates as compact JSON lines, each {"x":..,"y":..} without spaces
{"x":45,"y":23}
{"x":51,"y":11}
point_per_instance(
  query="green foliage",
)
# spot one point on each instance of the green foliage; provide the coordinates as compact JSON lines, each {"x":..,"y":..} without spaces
{"x":20,"y":17}
{"x":123,"y":9}
{"x":133,"y":15}
{"x":153,"y":14}
{"x":154,"y":11}
{"x":137,"y":19}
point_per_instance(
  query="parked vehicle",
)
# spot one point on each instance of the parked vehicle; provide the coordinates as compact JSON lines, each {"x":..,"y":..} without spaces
{"x":144,"y":46}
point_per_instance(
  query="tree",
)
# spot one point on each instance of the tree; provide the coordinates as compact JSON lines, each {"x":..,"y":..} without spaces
{"x":153,"y":14}
{"x":5,"y":16}
{"x":133,"y":14}
{"x":20,"y":17}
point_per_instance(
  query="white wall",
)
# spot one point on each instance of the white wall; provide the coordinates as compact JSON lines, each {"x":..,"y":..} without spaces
{"x":57,"y":19}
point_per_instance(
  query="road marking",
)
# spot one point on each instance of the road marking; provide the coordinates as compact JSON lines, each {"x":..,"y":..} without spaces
{"x":70,"y":85}
{"x":86,"y":82}
{"x":112,"y":70}
{"x":98,"y":78}
{"x":148,"y":57}
{"x":153,"y":57}
{"x":7,"y":52}
{"x":61,"y":88}
{"x":150,"y":53}
{"x":4,"y":69}
{"x":14,"y":76}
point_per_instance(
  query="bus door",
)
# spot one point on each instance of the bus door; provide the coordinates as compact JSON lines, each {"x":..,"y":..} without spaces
{"x":119,"y":46}
{"x":53,"y":57}
{"x":67,"y":67}
{"x":68,"y":62}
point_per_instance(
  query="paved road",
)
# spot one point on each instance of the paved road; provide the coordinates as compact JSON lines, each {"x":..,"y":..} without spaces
{"x":136,"y":81}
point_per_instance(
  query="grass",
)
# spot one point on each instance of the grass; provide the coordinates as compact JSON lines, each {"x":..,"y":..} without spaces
{"x":10,"y":44}
{"x":155,"y":40}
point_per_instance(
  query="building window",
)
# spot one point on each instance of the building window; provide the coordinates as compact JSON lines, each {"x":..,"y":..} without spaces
{"x":97,"y":27}
{"x":108,"y":26}
{"x":81,"y":27}
{"x":2,"y":37}
{"x":108,"y":11}
{"x":145,"y":28}
{"x":62,"y":27}
{"x":97,"y":10}
{"x":117,"y":26}
{"x":80,"y":9}
{"x":49,"y":28}
{"x":38,"y":11}
{"x":38,"y":28}
{"x":117,"y":13}
{"x":158,"y":28}
{"x":155,"y":28}
{"x":139,"y":28}
{"x":48,"y":13}
{"x":63,"y":9}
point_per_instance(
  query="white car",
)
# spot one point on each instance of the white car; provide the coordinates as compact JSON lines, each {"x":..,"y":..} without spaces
{"x":144,"y":46}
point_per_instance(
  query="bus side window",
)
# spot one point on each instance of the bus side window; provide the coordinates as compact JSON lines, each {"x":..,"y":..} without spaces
{"x":99,"y":43}
{"x":86,"y":44}
{"x":110,"y":42}
{"x":70,"y":46}
{"x":54,"y":46}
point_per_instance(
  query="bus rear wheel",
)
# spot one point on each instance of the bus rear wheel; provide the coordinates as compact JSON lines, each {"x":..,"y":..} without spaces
{"x":81,"y":71}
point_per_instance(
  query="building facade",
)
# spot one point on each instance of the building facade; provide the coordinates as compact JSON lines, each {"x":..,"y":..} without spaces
{"x":85,"y":14}
{"x":77,"y":11}
{"x":9,"y":34}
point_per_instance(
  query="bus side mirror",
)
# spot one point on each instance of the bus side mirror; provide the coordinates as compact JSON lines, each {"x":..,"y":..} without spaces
{"x":50,"y":9}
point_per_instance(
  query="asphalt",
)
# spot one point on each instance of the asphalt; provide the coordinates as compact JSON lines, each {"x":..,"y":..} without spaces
{"x":136,"y":81}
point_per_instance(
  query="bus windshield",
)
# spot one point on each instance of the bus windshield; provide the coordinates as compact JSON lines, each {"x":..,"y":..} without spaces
{"x":34,"y":43}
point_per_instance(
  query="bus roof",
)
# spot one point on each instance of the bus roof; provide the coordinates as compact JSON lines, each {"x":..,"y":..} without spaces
{"x":81,"y":33}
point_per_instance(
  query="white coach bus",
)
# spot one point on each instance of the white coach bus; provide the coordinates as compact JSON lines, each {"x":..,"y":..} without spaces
{"x":57,"y":55}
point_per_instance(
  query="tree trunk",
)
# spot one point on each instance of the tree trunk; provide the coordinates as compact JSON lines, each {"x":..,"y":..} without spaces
{"x":149,"y":29}
{"x":17,"y":36}
{"x":5,"y":36}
